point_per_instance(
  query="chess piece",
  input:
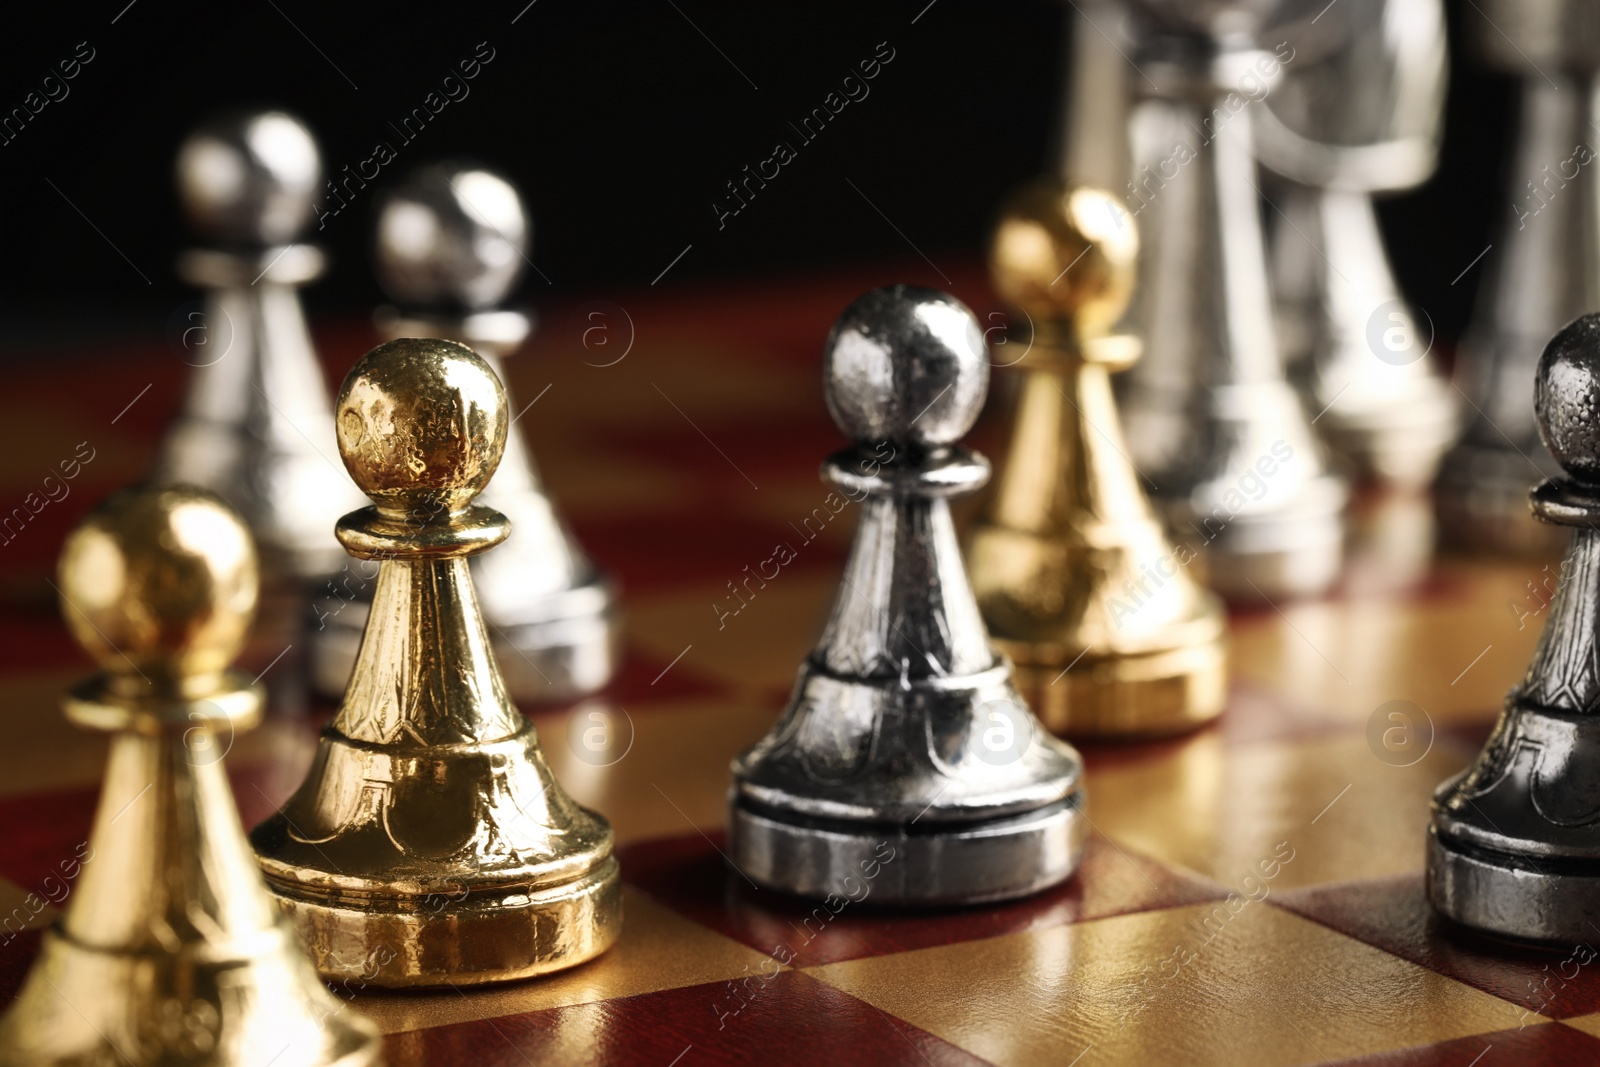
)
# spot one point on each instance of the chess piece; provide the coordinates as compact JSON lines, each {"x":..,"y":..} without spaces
{"x":1514,"y":848}
{"x":906,"y":759}
{"x":451,"y":244}
{"x":1354,"y":115}
{"x":171,"y":950}
{"x":1543,"y":270}
{"x":1093,"y":147}
{"x":1074,"y":575}
{"x":430,"y":844}
{"x":255,"y":427}
{"x":1208,"y":406}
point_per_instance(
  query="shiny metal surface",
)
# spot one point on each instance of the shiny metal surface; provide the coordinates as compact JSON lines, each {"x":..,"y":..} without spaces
{"x":1209,"y":417}
{"x":255,"y":426}
{"x":1093,"y":148}
{"x":1525,"y":36}
{"x":430,"y":844}
{"x":1514,"y":846}
{"x":905,"y":747}
{"x":1543,"y":272}
{"x":171,"y":950}
{"x":451,"y":235}
{"x":1230,"y":20}
{"x":1363,"y":356}
{"x":1077,"y":582}
{"x":249,"y":179}
{"x":451,"y":244}
{"x":1361,"y":105}
{"x":1358,"y":112}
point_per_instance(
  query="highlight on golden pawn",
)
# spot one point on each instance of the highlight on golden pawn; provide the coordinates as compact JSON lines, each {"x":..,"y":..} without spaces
{"x":1078,"y":583}
{"x":430,"y":842}
{"x":170,"y":950}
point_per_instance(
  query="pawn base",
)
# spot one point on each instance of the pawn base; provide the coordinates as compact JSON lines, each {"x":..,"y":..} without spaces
{"x":1166,"y":691}
{"x":1287,"y":556}
{"x":485,"y":936}
{"x":1545,"y":900}
{"x":446,"y":864}
{"x":910,"y":865}
{"x":1393,"y":449}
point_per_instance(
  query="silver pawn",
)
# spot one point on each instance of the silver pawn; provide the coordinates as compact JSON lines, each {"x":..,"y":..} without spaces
{"x":451,"y":244}
{"x":256,"y":427}
{"x":1514,"y":847}
{"x":1544,"y":270}
{"x":1357,"y":113}
{"x":906,"y":767}
{"x":1210,"y":419}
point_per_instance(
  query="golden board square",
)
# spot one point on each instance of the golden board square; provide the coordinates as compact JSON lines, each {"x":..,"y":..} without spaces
{"x":1262,"y":987}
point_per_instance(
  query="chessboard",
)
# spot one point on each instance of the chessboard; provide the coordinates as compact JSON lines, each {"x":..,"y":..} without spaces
{"x":1252,"y":893}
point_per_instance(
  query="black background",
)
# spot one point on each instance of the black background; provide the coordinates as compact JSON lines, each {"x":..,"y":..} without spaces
{"x":620,"y":122}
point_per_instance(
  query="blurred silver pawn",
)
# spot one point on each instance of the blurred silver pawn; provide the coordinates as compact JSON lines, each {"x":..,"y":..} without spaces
{"x":256,"y":427}
{"x":451,"y":244}
{"x":1356,"y":113}
{"x":1209,"y":417}
{"x":1544,"y":270}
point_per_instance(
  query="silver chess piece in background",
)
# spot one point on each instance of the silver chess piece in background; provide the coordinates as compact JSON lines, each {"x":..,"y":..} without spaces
{"x":906,"y":760}
{"x":1357,"y":112}
{"x":1093,"y":148}
{"x":1543,"y":272}
{"x":1514,"y":848}
{"x":1211,"y":421}
{"x":452,"y":243}
{"x":256,"y":427}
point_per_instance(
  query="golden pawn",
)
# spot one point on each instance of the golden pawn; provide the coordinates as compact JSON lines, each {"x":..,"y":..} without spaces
{"x":1078,"y":584}
{"x":430,"y":844}
{"x":170,"y":951}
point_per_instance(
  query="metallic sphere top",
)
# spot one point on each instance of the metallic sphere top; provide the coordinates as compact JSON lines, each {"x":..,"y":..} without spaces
{"x":1566,"y":398}
{"x":422,"y":423}
{"x":906,"y":365}
{"x":250,"y":179}
{"x":1066,"y":253}
{"x":159,"y":583}
{"x":454,"y":235}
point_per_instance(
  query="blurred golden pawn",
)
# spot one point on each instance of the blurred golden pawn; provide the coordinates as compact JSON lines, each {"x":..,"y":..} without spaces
{"x":1110,"y":634}
{"x":170,"y":951}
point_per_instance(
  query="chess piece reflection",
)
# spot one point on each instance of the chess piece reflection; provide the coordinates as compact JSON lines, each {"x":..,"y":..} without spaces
{"x":906,"y":758}
{"x":1543,"y":271}
{"x":451,"y":244}
{"x":1075,"y":577}
{"x":1514,"y":848}
{"x":171,"y":950}
{"x":255,"y":427}
{"x":1354,"y":115}
{"x":430,"y":844}
{"x":1208,"y":408}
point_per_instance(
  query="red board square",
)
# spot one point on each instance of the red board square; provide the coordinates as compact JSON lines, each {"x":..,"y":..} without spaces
{"x":690,"y":876}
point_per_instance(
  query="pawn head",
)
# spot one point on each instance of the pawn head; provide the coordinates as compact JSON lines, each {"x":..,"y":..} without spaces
{"x":160,"y":582}
{"x":906,"y":365}
{"x":451,"y":234}
{"x":1566,"y":398}
{"x":422,"y":423}
{"x":249,"y":178}
{"x":1066,"y":254}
